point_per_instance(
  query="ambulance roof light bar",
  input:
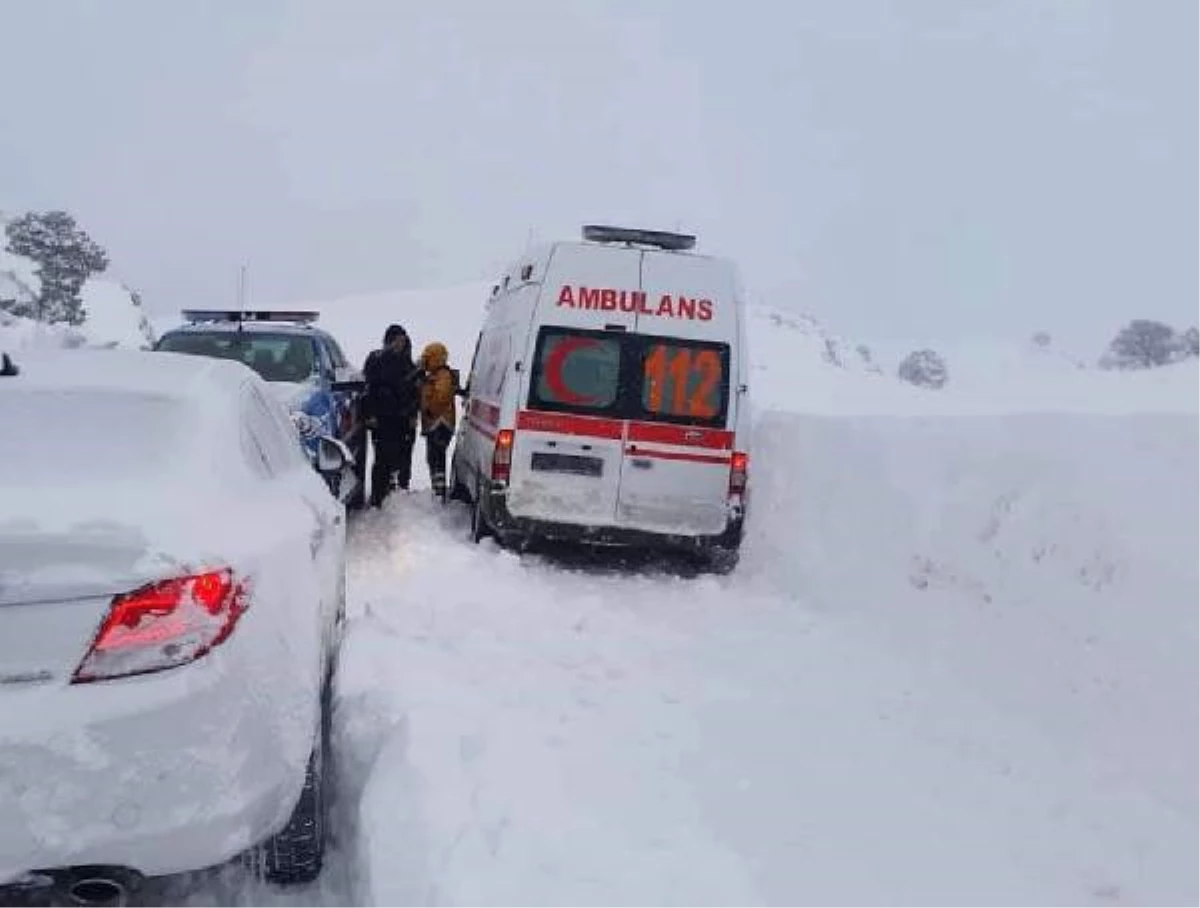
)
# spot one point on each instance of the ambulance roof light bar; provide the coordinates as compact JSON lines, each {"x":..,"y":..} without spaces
{"x":301,"y":316}
{"x":660,"y":239}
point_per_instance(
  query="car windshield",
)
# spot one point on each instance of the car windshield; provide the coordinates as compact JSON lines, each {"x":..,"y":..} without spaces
{"x":275,"y":357}
{"x":106,"y":434}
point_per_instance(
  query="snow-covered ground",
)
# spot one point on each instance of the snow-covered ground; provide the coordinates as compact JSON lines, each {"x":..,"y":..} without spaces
{"x":956,"y":666}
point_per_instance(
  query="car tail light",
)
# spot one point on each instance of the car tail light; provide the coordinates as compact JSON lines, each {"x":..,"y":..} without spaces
{"x":739,"y":466}
{"x":502,"y":456}
{"x":164,"y":625}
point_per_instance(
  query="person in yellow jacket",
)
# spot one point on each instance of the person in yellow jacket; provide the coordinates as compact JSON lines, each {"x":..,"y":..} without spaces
{"x":439,"y":389}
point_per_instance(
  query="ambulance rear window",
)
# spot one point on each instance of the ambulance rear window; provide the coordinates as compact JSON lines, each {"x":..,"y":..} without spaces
{"x":683,"y":380}
{"x":631,"y":376}
{"x":577,"y":370}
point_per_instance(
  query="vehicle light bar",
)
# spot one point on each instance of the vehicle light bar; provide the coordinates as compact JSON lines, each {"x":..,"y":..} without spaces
{"x":660,"y":239}
{"x":302,"y":316}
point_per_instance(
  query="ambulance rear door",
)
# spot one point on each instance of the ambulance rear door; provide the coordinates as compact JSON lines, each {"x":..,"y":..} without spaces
{"x":679,"y":443}
{"x":568,"y":446}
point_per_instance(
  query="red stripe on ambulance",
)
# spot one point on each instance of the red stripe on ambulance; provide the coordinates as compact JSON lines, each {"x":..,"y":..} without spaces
{"x":685,"y":436}
{"x":565,"y":424}
{"x":635,"y":451}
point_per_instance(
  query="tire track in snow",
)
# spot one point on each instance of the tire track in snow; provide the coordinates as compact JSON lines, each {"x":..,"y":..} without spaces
{"x":516,"y":677}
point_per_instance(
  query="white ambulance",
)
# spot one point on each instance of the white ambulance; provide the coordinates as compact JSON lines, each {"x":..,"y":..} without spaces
{"x":608,"y":400}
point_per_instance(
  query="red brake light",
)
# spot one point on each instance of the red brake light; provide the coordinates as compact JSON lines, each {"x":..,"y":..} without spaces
{"x":163,"y":625}
{"x":739,"y":466}
{"x":502,"y":456}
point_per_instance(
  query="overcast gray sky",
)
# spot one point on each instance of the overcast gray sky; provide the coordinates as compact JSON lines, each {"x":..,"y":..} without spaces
{"x":945,"y":167}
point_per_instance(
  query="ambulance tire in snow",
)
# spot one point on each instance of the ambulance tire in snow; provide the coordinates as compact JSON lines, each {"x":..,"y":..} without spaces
{"x":721,"y":560}
{"x":479,"y":524}
{"x":458,"y":491}
{"x":296,"y":854}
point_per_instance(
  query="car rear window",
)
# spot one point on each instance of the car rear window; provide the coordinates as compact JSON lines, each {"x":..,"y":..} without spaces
{"x":275,"y":357}
{"x":63,"y":433}
{"x":631,"y":376}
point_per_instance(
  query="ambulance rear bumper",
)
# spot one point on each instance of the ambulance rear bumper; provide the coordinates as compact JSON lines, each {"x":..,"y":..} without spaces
{"x":512,"y":530}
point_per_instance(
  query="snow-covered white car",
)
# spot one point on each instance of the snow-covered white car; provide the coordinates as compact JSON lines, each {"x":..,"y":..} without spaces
{"x":171,"y":597}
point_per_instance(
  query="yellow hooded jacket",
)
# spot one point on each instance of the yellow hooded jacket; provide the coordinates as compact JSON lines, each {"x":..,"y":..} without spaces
{"x":438,"y":390}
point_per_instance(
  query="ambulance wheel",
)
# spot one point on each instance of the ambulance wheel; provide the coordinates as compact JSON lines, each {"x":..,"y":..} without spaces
{"x":479,"y":524}
{"x":721,"y":560}
{"x":458,"y":491}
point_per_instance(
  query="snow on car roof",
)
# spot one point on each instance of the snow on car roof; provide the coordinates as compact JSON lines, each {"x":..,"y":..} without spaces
{"x":168,"y":374}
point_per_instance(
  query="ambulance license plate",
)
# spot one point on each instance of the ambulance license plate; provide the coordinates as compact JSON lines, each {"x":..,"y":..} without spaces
{"x":574,"y":464}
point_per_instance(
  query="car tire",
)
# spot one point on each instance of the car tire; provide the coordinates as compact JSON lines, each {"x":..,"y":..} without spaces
{"x":296,"y":854}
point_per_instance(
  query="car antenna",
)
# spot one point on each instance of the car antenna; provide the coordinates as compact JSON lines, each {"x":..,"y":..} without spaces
{"x":241,"y":294}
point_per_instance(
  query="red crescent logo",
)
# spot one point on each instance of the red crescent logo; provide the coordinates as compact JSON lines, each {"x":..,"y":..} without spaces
{"x":553,"y":370}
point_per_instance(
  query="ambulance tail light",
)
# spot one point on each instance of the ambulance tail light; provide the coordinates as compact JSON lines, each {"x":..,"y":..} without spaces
{"x":502,"y":456}
{"x":739,"y":466}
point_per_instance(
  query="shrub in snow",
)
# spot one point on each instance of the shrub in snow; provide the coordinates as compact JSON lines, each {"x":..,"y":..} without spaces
{"x":1145,"y":344}
{"x":1041,"y":339}
{"x":1189,"y":342}
{"x":65,"y":257}
{"x":924,"y":368}
{"x":830,"y":354}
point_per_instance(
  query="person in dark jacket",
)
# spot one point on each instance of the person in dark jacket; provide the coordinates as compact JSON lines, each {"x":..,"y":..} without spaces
{"x":390,"y":405}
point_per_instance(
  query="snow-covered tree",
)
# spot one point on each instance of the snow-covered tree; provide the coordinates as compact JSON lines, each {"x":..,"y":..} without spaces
{"x":924,"y":368}
{"x":1189,"y":342}
{"x":65,"y":257}
{"x":1143,"y":344}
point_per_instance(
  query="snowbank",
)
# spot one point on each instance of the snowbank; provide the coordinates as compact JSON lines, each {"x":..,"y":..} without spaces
{"x":1048,"y":561}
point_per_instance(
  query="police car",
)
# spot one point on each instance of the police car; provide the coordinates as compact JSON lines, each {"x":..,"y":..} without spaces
{"x":609,"y":400}
{"x":303,"y":366}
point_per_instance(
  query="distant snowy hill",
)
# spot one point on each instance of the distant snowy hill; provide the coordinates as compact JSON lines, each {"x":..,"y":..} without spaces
{"x":115,"y":315}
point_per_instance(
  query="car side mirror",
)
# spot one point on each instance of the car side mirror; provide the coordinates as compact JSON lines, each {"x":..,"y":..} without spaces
{"x":346,"y":378}
{"x":332,"y":455}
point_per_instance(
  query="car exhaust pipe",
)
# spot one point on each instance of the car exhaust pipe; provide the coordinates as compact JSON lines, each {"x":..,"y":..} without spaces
{"x":93,"y":887}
